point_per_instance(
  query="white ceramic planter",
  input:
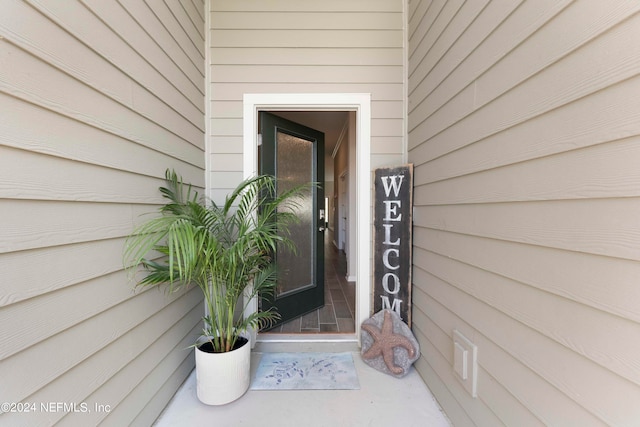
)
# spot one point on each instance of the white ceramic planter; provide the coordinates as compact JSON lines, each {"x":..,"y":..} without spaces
{"x":223,"y":377}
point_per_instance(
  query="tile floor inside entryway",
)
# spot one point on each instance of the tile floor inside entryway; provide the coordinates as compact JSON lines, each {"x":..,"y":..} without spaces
{"x":337,"y":315}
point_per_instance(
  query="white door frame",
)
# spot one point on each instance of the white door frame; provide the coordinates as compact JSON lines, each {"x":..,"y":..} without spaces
{"x":361,"y":103}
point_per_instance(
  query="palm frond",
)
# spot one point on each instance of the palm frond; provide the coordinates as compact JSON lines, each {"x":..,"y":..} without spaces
{"x":224,"y":249}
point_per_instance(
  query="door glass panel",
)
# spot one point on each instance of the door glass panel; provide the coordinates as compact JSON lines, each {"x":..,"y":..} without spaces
{"x":294,"y":166}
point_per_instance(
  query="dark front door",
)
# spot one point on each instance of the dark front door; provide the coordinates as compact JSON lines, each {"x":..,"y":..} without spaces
{"x":294,"y":154}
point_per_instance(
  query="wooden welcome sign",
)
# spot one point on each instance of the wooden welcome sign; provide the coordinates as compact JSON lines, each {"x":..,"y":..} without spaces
{"x":393,"y":204}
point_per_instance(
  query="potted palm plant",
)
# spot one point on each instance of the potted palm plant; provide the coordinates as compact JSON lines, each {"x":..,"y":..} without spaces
{"x":226,"y":250}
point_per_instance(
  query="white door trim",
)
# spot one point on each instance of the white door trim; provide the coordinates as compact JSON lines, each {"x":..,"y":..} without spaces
{"x":359,"y":102}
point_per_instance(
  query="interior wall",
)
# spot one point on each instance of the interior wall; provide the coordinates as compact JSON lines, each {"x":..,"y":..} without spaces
{"x":341,"y":167}
{"x":97,"y":99}
{"x":524,"y":132}
{"x":355,"y":212}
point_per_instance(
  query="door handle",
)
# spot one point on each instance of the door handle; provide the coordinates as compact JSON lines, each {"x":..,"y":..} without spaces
{"x":321,"y":228}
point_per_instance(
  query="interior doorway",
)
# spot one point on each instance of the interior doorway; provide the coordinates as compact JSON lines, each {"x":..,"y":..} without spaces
{"x":358,"y":106}
{"x":322,"y":301}
{"x":295,"y":155}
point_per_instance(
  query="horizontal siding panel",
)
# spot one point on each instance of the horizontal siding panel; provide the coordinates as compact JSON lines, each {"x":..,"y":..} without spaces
{"x":196,"y":12}
{"x":149,"y":380}
{"x":59,"y":48}
{"x":99,"y":99}
{"x":303,"y":6}
{"x":307,"y":74}
{"x":226,"y":109}
{"x":306,"y":21}
{"x":577,"y":75}
{"x":524,"y":21}
{"x":84,"y":25}
{"x":226,"y":127}
{"x":224,"y":181}
{"x":601,"y":226}
{"x":548,"y":404}
{"x":413,"y":9}
{"x":163,"y":43}
{"x":122,"y":24}
{"x":387,"y":127}
{"x":187,"y":23}
{"x":582,"y":28}
{"x":420,"y":23}
{"x":385,"y":160}
{"x":569,"y":127}
{"x":454,"y":412}
{"x":604,"y":171}
{"x":25,"y":175}
{"x":195,"y":52}
{"x":69,"y":97}
{"x":30,"y":128}
{"x":437,"y":30}
{"x":387,"y":110}
{"x":522,"y":129}
{"x":590,"y":333}
{"x":164,"y":394}
{"x":306,"y":38}
{"x":25,"y":227}
{"x":431,"y":52}
{"x":386,"y":145}
{"x":27,"y":322}
{"x":558,"y":272}
{"x":182,"y":50}
{"x":501,"y":402}
{"x":297,"y":57}
{"x":441,"y":360}
{"x":225,"y":145}
{"x":196,"y":19}
{"x":26,"y":275}
{"x":488,"y":17}
{"x":235,"y":91}
{"x":132,"y":325}
{"x":227,"y":162}
{"x":574,"y":375}
{"x":430,"y":72}
{"x":155,"y":354}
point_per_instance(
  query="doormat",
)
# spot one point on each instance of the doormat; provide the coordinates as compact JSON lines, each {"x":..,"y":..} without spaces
{"x":306,"y":371}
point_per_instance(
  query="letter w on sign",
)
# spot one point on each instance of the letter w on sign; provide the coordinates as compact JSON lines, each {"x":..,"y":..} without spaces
{"x":393,"y":208}
{"x":392,"y":181}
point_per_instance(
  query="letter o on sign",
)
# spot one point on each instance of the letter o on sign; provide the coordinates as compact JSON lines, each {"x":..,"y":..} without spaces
{"x":396,"y":283}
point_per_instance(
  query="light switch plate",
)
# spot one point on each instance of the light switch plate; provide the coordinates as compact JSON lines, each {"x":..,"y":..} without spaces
{"x":465,"y":362}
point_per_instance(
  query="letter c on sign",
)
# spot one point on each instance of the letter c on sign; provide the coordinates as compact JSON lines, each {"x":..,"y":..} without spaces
{"x":385,"y":259}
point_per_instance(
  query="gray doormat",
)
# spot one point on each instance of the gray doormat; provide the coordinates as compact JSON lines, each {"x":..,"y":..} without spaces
{"x":306,"y":371}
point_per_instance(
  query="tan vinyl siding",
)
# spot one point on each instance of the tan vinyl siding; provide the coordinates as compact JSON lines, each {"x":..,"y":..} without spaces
{"x":288,"y":46}
{"x":97,"y":99}
{"x":523,"y":128}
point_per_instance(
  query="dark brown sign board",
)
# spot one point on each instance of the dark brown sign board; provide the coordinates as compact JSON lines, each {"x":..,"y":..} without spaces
{"x":393,"y":208}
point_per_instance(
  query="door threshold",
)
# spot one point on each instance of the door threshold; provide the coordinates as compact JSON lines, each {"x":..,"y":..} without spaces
{"x":267,"y":343}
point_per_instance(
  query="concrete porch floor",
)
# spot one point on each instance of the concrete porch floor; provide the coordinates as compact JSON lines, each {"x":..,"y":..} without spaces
{"x":382,"y":400}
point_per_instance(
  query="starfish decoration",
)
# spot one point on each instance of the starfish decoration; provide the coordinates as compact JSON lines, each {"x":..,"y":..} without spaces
{"x":384,"y":341}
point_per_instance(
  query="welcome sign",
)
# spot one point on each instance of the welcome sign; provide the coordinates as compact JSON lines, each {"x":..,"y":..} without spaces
{"x":393,"y":204}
